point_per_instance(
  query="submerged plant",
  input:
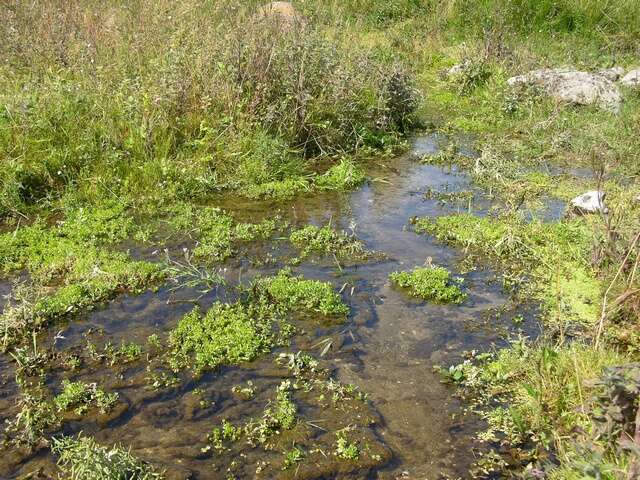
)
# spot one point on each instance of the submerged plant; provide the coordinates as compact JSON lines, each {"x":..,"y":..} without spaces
{"x":346,"y":449}
{"x":430,"y":283}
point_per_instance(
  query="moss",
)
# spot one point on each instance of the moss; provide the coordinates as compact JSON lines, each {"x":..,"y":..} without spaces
{"x":82,"y":458}
{"x":312,"y":240}
{"x":430,"y":283}
{"x":297,"y":293}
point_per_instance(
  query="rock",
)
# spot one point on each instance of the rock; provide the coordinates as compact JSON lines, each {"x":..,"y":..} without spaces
{"x":282,"y":14}
{"x":612,"y":74}
{"x":572,"y":86}
{"x":590,"y":202}
{"x":632,"y":79}
{"x":457,"y":69}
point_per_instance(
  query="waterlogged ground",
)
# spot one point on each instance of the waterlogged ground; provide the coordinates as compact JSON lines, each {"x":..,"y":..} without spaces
{"x":411,"y":426}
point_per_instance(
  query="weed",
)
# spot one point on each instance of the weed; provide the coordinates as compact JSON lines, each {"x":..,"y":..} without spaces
{"x":82,"y":458}
{"x":298,"y":293}
{"x":346,"y":449}
{"x":81,"y":396}
{"x":312,"y":240}
{"x":226,"y":334}
{"x":430,"y":283}
{"x":292,"y":457}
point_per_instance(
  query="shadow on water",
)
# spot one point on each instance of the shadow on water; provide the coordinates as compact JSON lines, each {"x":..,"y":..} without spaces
{"x":388,"y":347}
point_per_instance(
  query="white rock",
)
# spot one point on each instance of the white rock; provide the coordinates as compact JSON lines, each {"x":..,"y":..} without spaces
{"x":455,"y":70}
{"x":590,"y":202}
{"x":612,"y":74}
{"x":632,"y":79}
{"x":572,"y":86}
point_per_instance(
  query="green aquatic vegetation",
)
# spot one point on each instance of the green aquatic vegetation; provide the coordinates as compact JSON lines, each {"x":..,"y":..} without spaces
{"x":345,"y":449}
{"x":312,"y":240}
{"x":216,"y":232}
{"x":342,"y":176}
{"x":36,"y":416}
{"x":279,"y":415}
{"x":69,"y":268}
{"x":430,"y":283}
{"x":82,"y":458}
{"x":292,"y":457}
{"x":284,"y":410}
{"x":225,"y":433}
{"x":543,"y":393}
{"x":554,"y":256}
{"x":246,"y":392}
{"x":81,"y":396}
{"x":226,"y":334}
{"x":125,"y":353}
{"x":278,"y":190}
{"x":297,"y":293}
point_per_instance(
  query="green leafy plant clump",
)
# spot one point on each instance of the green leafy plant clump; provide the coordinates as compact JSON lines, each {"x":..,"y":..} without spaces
{"x":70,"y":267}
{"x":216,"y":232}
{"x":227,"y":334}
{"x":312,"y":240}
{"x":82,"y":458}
{"x":297,"y":293}
{"x":430,"y":283}
{"x":81,"y":396}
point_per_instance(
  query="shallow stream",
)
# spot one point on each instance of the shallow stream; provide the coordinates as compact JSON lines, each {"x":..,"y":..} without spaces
{"x":388,"y":345}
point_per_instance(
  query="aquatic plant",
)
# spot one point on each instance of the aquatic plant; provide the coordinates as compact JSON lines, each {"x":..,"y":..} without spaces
{"x":82,"y":458}
{"x":313,"y":240}
{"x":225,"y":334}
{"x":292,"y":457}
{"x":297,"y":293}
{"x":342,"y":176}
{"x":81,"y":396}
{"x":430,"y":283}
{"x":346,"y":449}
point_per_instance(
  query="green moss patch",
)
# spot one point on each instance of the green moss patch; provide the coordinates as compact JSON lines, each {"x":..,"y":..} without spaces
{"x":430,"y":283}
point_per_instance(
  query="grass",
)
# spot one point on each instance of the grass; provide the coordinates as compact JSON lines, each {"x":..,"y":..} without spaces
{"x":430,"y":283}
{"x":108,"y":117}
{"x":549,"y":260}
{"x":82,"y":458}
{"x":547,"y":396}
